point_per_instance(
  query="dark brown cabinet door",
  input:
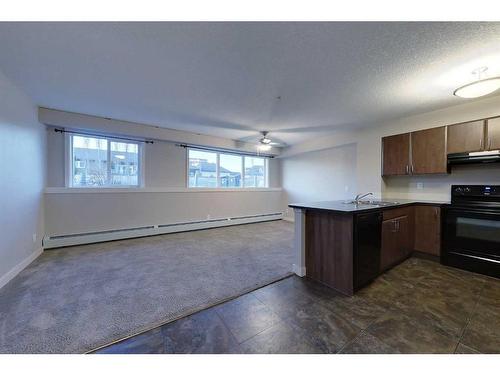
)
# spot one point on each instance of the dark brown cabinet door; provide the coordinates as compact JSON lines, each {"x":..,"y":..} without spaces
{"x":466,"y":137}
{"x":428,"y":150}
{"x":390,"y":248}
{"x":493,"y":134}
{"x":428,"y":230}
{"x":404,"y":237}
{"x":396,"y":242}
{"x":396,"y":155}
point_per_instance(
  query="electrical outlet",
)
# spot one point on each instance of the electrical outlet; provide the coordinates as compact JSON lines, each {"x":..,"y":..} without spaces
{"x":346,"y":188}
{"x":34,"y":237}
{"x":420,"y":185}
{"x":208,"y":216}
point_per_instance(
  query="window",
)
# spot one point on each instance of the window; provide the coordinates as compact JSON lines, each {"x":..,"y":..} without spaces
{"x":202,"y":169}
{"x":103,"y":162}
{"x":255,"y":172}
{"x":230,"y":170}
{"x":210,"y":169}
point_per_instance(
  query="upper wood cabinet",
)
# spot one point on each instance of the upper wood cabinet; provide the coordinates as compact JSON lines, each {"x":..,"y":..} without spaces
{"x":428,"y":151}
{"x":493,"y":138}
{"x":396,"y":155}
{"x":466,"y":137}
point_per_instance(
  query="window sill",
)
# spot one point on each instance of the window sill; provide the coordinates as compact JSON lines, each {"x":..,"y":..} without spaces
{"x":65,"y":190}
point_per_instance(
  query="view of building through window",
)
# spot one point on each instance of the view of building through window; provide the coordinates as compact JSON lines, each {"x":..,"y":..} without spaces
{"x":202,"y":169}
{"x":230,"y":170}
{"x":209,"y":169}
{"x":98,"y":162}
{"x":255,"y":169}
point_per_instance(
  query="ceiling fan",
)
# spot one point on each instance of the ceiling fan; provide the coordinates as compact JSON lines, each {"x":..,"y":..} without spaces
{"x":266,"y":141}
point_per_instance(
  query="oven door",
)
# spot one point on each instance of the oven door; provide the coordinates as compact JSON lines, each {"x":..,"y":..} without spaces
{"x":472,"y":237}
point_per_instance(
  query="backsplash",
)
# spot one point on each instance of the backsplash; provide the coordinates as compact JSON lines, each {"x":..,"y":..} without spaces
{"x":437,"y":187}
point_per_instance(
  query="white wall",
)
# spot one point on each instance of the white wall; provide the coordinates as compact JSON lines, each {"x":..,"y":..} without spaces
{"x":368,"y":153}
{"x":22,"y":164}
{"x":164,"y":200}
{"x":319,"y":176}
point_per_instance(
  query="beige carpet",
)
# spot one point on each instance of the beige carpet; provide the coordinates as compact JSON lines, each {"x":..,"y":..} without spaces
{"x":76,"y":299}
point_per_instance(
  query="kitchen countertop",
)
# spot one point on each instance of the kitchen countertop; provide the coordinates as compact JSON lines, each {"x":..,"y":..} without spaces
{"x":342,"y":207}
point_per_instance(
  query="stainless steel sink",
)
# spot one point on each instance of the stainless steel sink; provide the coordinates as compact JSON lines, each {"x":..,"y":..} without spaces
{"x":372,"y":203}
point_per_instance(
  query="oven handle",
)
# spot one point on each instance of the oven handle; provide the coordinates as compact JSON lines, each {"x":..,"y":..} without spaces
{"x":470,"y":210}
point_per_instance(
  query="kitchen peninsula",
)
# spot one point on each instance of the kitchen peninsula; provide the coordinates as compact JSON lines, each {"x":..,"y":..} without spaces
{"x":345,"y":245}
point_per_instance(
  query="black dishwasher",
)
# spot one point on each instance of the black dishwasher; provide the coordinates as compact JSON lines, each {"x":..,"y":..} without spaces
{"x":367,"y":245}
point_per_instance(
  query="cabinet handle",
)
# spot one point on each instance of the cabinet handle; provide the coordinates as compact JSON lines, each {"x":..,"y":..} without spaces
{"x":412,"y":169}
{"x":407,"y":169}
{"x":481,"y":143}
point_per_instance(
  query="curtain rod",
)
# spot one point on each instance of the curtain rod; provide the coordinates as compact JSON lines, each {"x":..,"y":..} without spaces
{"x":184,"y":145}
{"x":101,"y":135}
{"x":228,"y":151}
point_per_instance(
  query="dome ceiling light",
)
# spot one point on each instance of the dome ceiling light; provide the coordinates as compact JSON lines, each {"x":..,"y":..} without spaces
{"x":481,"y":87}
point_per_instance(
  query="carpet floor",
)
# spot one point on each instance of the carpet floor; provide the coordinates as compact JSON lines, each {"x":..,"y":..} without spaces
{"x":73,"y":300}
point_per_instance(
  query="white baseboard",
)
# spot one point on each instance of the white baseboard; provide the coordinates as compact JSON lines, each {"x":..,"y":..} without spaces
{"x":299,"y":271}
{"x":152,"y":230}
{"x":19,"y":267}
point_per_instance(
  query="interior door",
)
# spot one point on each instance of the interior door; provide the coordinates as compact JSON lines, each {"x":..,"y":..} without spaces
{"x":428,"y":150}
{"x":466,"y":137}
{"x":396,"y":155}
{"x":493,"y":134}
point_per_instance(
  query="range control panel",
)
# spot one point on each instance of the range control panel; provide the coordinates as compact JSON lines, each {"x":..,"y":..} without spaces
{"x":475,"y":190}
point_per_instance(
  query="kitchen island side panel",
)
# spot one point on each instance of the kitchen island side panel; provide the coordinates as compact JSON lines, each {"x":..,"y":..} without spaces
{"x":329,"y":249}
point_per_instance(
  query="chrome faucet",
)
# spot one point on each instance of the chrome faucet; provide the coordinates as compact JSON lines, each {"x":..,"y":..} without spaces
{"x":359,"y":196}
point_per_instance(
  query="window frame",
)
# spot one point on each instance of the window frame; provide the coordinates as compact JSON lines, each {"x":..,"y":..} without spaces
{"x":69,"y":162}
{"x":218,"y":185}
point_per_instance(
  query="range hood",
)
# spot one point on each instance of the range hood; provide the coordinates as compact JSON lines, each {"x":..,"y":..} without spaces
{"x":474,"y":157}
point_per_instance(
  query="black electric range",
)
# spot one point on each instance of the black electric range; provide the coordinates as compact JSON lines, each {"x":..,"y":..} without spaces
{"x":471,"y":229}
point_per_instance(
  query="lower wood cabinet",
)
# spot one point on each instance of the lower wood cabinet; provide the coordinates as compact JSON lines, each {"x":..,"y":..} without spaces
{"x":397,"y":236}
{"x":428,"y":229}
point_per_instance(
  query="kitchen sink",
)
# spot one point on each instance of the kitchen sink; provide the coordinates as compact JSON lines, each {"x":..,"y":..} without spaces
{"x":372,"y":203}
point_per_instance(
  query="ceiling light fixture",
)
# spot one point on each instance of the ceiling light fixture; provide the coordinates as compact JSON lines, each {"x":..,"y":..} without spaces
{"x":264,"y":140}
{"x":264,"y":147}
{"x":481,"y":87}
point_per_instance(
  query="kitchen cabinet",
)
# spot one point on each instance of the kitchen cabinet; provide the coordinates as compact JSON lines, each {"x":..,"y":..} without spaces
{"x":428,"y":151}
{"x":420,"y":152}
{"x":397,"y":237}
{"x":466,"y":137}
{"x":396,"y":155}
{"x":428,"y":230}
{"x":493,"y":137}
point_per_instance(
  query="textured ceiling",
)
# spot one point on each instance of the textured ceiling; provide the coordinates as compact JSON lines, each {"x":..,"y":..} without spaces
{"x":297,"y":80}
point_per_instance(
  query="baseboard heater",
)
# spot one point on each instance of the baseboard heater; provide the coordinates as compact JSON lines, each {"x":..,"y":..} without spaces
{"x":50,"y":242}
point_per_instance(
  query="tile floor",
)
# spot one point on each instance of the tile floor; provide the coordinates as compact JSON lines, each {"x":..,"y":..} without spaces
{"x":418,"y":307}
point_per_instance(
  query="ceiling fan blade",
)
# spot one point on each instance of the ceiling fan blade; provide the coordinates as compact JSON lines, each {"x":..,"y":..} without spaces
{"x":250,"y":138}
